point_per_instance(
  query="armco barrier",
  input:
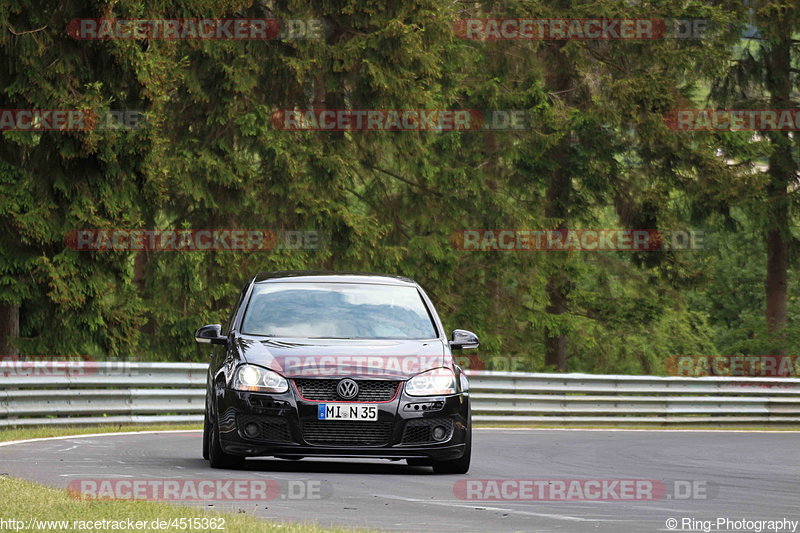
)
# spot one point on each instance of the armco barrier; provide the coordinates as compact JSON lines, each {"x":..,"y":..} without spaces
{"x":143,"y":393}
{"x":101,"y":393}
{"x":586,"y":399}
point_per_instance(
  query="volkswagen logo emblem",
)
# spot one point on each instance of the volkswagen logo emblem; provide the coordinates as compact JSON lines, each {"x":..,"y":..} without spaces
{"x":347,"y":389}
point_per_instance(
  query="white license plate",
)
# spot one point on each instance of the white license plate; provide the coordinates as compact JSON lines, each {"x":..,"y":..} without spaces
{"x":347,"y":411}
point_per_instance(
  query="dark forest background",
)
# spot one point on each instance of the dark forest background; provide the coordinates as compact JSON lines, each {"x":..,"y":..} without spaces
{"x":597,"y":153}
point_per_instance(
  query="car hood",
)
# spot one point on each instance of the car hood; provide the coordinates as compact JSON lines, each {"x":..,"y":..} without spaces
{"x":388,"y":359}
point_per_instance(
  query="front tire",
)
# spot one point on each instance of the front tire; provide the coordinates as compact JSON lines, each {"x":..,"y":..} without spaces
{"x":460,"y":465}
{"x":206,"y":435}
{"x":216,"y":456}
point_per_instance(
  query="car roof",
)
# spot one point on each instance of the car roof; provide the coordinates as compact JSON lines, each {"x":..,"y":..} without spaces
{"x":327,"y":276}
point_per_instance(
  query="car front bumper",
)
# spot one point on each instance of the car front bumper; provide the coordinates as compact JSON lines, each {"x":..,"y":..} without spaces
{"x":288,"y":426}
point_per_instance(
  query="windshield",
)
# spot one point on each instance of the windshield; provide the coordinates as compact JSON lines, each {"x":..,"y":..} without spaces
{"x":337,"y":311}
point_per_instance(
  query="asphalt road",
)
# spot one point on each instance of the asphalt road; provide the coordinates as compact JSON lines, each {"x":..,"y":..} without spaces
{"x":732,"y":475}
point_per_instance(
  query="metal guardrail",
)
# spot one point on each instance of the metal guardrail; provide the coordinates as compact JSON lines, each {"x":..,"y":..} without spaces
{"x":78,"y":393}
{"x":144,"y":393}
{"x":586,"y":399}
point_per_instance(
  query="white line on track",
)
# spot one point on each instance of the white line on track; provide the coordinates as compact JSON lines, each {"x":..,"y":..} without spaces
{"x":478,"y":506}
{"x":91,"y":435}
{"x":94,"y":475}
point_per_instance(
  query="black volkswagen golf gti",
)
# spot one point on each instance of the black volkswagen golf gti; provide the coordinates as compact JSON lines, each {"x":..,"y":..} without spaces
{"x":326,"y":364}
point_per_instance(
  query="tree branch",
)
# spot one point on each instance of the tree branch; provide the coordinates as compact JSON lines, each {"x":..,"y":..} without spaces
{"x":406,"y":181}
{"x":11,"y":29}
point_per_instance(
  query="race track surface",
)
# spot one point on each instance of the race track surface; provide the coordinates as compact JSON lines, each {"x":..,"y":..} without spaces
{"x":734,"y":475}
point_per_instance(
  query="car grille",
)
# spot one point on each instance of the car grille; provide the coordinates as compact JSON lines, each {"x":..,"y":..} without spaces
{"x":271,"y":428}
{"x":345,"y":433}
{"x":324,"y":390}
{"x":421,"y":430}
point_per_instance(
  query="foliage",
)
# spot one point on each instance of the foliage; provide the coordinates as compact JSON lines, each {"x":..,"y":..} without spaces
{"x":209,"y":156}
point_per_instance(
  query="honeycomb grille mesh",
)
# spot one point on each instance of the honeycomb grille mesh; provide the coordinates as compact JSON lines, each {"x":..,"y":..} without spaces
{"x":324,"y":390}
{"x":347,"y":433}
{"x":270,"y":428}
{"x":420,"y":431}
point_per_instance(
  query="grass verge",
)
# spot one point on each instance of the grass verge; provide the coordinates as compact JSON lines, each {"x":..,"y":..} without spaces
{"x":46,"y":431}
{"x":36,"y":505}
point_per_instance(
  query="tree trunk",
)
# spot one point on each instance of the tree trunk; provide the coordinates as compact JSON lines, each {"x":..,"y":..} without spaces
{"x":561,"y":82}
{"x":558,"y":284}
{"x":782,"y":170}
{"x":9,"y":329}
{"x":775,"y":285}
{"x":555,"y":345}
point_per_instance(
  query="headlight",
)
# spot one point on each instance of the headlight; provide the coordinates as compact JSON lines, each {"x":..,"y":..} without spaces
{"x":257,"y":379}
{"x":432,"y":383}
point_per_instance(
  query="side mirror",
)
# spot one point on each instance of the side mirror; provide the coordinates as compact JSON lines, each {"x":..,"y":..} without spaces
{"x":211,"y":334}
{"x":462,"y":338}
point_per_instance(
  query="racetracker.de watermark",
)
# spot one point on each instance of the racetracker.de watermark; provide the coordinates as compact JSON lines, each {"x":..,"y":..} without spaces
{"x":188,"y":490}
{"x":585,"y":29}
{"x":781,"y":366}
{"x":212,"y":29}
{"x":733,"y":119}
{"x":398,"y":119}
{"x":70,"y":119}
{"x":374,"y":365}
{"x":577,"y":240}
{"x":364,"y":365}
{"x":186,"y":240}
{"x":581,"y":490}
{"x":42,"y":366}
{"x":500,"y":363}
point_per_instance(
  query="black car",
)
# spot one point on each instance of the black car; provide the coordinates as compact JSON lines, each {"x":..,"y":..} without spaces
{"x":326,"y":364}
